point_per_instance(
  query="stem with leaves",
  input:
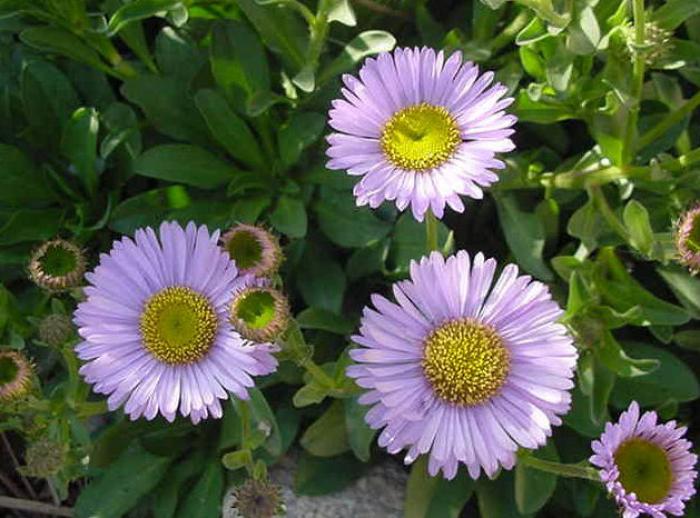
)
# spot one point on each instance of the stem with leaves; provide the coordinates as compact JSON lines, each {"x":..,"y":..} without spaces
{"x":628,"y":145}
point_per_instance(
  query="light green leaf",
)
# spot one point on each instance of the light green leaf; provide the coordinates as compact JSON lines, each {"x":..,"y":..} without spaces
{"x":363,"y":45}
{"x":342,"y":12}
{"x":636,"y":219}
{"x":614,"y":358}
{"x":138,"y":10}
{"x":327,"y":436}
{"x":674,"y":12}
{"x":685,"y":287}
{"x":79,"y":145}
{"x":183,"y":163}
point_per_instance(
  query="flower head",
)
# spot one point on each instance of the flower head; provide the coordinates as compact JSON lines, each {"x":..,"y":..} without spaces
{"x":15,"y":375}
{"x":658,"y":43}
{"x":646,"y":466}
{"x":259,"y":312}
{"x":688,"y":239}
{"x":254,"y":499}
{"x":463,"y":368}
{"x":57,"y":265}
{"x":155,"y":328}
{"x":420,"y":129}
{"x":255,"y":250}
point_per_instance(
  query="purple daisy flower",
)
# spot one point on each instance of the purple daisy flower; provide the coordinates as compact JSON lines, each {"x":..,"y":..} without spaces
{"x":420,"y":129}
{"x":647,"y":467}
{"x":463,"y":367}
{"x":155,"y":325}
{"x":688,"y":239}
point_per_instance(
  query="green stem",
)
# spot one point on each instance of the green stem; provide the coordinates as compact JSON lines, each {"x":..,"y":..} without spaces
{"x":637,"y":82}
{"x":295,"y":345}
{"x":601,"y":203}
{"x":562,"y":470}
{"x":431,"y":232}
{"x":244,"y":414}
{"x":669,"y":121}
{"x":508,"y":34}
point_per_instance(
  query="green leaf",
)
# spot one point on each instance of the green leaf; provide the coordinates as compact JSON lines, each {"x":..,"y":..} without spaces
{"x":148,"y":209}
{"x":319,"y":476}
{"x":264,"y":419}
{"x":48,"y":99}
{"x":534,"y":488}
{"x":122,"y":130}
{"x":310,"y":394}
{"x":183,"y":163}
{"x":177,"y":56}
{"x":60,"y":41}
{"x":236,"y":460}
{"x":542,"y":111}
{"x":229,"y":129}
{"x":534,"y":31}
{"x":280,"y":30}
{"x":342,"y":12}
{"x":579,"y":417}
{"x":168,"y":105}
{"x":685,"y":287}
{"x":368,"y":260}
{"x":360,"y":435}
{"x":21,"y":183}
{"x":327,"y":436}
{"x":122,"y":485}
{"x":79,"y":145}
{"x":614,"y":358}
{"x":23,"y":225}
{"x":321,"y":281}
{"x":302,"y":130}
{"x":289,"y":217}
{"x":603,"y":383}
{"x":345,"y":223}
{"x":496,"y":497}
{"x":138,"y":10}
{"x":636,"y":219}
{"x":674,"y":12}
{"x":238,"y":61}
{"x":673,"y":380}
{"x":361,"y":46}
{"x":689,"y":339}
{"x":428,"y":496}
{"x":204,"y":500}
{"x":450,"y":496}
{"x":584,"y":33}
{"x":419,"y":489}
{"x":525,"y":236}
{"x":408,"y":242}
{"x":315,"y":318}
{"x":166,"y":495}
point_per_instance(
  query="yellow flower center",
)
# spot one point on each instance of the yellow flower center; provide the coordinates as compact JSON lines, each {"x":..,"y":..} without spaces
{"x":178,"y":325}
{"x":420,"y":137}
{"x":465,"y":361}
{"x":644,"y":470}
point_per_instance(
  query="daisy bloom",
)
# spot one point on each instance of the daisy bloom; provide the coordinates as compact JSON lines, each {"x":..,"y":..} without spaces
{"x":15,"y":375}
{"x":688,"y":239}
{"x":57,"y":265}
{"x":420,"y":129}
{"x":647,"y":467}
{"x":255,"y":250}
{"x":462,"y":368}
{"x":155,"y":327}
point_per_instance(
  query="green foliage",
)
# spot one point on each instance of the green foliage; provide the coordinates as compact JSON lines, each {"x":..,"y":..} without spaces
{"x":119,"y":114}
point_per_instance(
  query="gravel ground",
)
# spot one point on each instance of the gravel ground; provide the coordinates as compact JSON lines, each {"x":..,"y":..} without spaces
{"x":378,"y":494}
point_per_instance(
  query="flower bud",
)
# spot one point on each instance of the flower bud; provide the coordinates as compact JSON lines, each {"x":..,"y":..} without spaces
{"x":57,"y":265}
{"x":255,"y":250}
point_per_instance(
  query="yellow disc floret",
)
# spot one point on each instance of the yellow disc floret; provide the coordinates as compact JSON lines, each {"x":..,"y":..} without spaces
{"x":465,"y":361}
{"x":420,"y":137}
{"x":178,"y":325}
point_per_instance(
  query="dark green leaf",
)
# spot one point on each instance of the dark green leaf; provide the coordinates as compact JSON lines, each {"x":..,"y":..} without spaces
{"x":636,"y":219}
{"x":689,"y":339}
{"x":534,"y":488}
{"x":79,"y":145}
{"x":525,"y":236}
{"x":21,"y":183}
{"x":264,"y":419}
{"x":302,"y":130}
{"x":138,"y":10}
{"x":315,"y":318}
{"x":321,"y":281}
{"x":319,"y":476}
{"x":204,"y":500}
{"x":360,"y":435}
{"x":346,"y":224}
{"x":684,"y":286}
{"x":148,"y":209}
{"x":408,"y":242}
{"x":61,"y":41}
{"x":289,"y":217}
{"x":229,"y":129}
{"x":122,"y":485}
{"x":22,"y":225}
{"x":183,"y":163}
{"x":614,"y":358}
{"x":166,"y":495}
{"x":674,"y":12}
{"x":496,"y":497}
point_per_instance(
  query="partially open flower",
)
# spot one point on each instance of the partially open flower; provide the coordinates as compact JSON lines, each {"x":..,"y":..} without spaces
{"x":688,"y":239}
{"x":15,"y":375}
{"x":57,"y":265}
{"x":254,"y":250}
{"x":254,"y":499}
{"x":260,"y":313}
{"x":55,"y":329}
{"x":647,"y":467}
